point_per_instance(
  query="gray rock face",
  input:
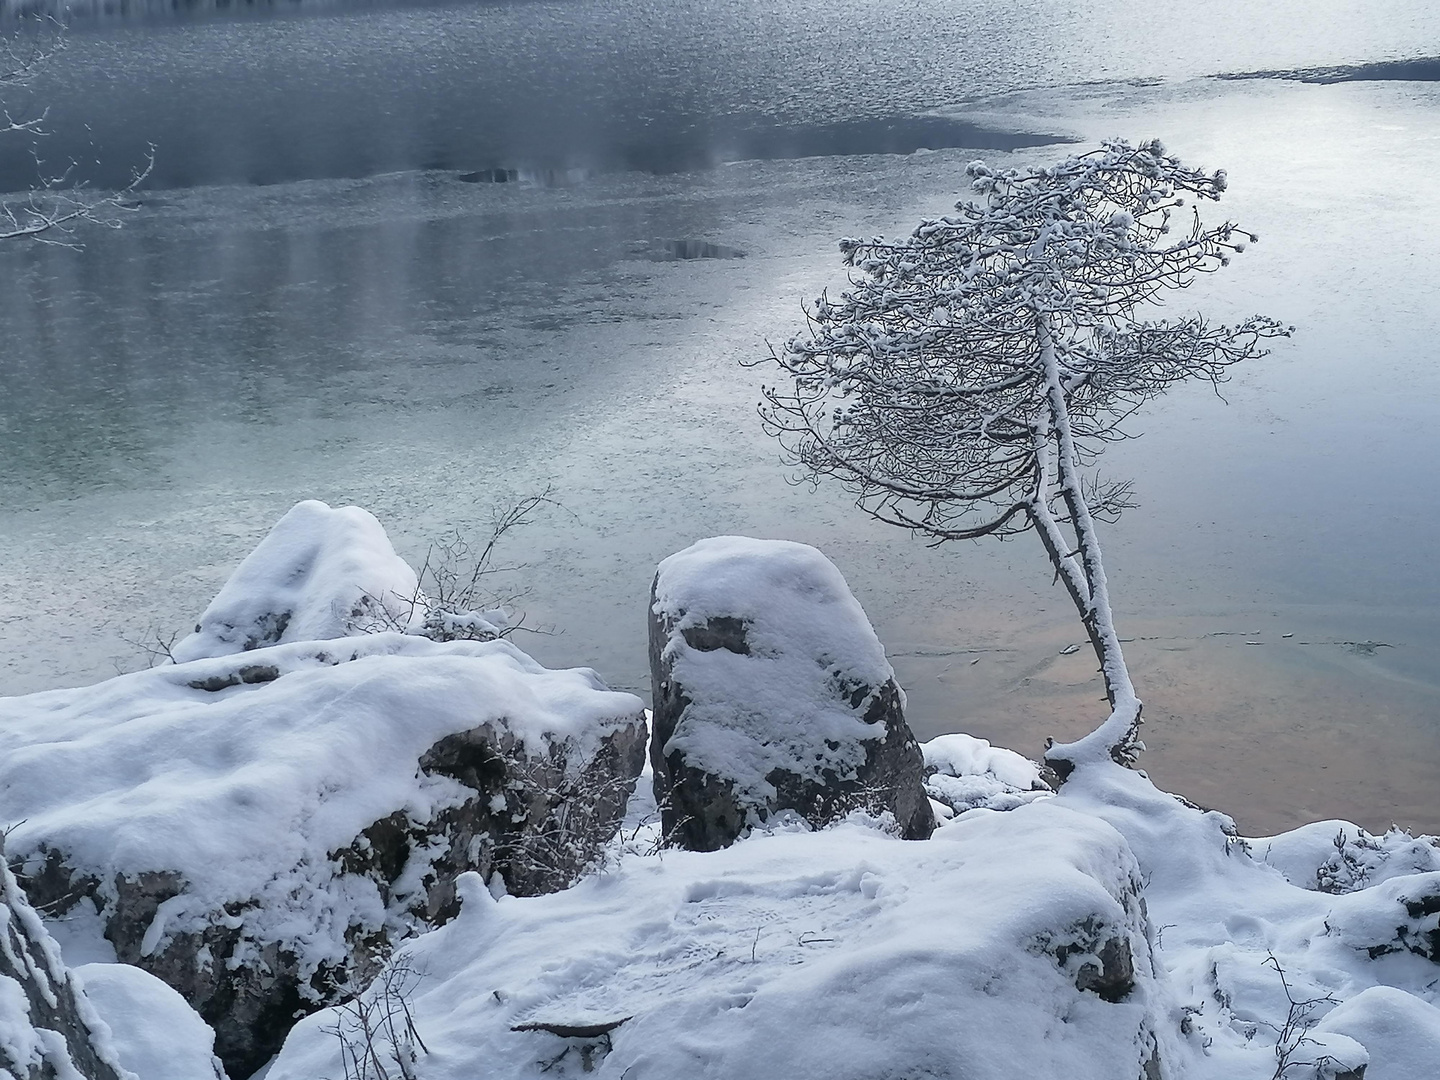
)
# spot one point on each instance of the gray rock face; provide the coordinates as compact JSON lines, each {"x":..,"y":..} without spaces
{"x":49,"y":1028}
{"x":772,"y":694}
{"x":528,"y":794}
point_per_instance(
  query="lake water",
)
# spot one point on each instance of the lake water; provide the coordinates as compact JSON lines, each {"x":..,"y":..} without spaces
{"x":324,"y":293}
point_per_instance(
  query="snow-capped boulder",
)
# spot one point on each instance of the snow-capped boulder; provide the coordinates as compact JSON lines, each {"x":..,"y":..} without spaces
{"x":772,"y":693}
{"x":257,"y":829}
{"x":966,"y":773}
{"x":48,"y":1029}
{"x":842,"y":953}
{"x":321,"y":572}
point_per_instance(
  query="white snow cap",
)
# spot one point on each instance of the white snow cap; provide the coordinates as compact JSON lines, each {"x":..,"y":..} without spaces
{"x":320,"y":573}
{"x":965,"y":772}
{"x":810,"y":647}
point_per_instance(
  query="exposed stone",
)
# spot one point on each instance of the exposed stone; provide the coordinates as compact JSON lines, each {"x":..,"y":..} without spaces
{"x":772,"y":694}
{"x":49,"y":1029}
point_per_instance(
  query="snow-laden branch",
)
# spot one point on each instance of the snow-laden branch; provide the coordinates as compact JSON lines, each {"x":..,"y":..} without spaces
{"x":971,"y":373}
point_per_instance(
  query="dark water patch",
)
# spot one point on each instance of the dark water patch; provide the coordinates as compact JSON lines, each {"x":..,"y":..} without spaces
{"x":85,"y":13}
{"x":683,"y":250}
{"x":1422,"y":69}
{"x":298,"y":146}
{"x":720,"y":141}
{"x":546,"y":178}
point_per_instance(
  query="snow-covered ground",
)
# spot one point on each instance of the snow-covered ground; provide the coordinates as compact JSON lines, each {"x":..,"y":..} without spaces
{"x":848,"y":953}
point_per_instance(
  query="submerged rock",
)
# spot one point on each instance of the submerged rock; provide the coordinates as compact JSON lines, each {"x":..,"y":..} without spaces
{"x":48,"y":1030}
{"x":772,"y":694}
{"x":260,"y":844}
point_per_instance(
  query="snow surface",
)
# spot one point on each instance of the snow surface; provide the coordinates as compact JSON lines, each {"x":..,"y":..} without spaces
{"x":1220,"y":915}
{"x":321,"y":572}
{"x":810,"y":648}
{"x":847,"y":953}
{"x":1336,"y":856}
{"x":841,"y":953}
{"x":246,"y":790}
{"x":157,"y":1035}
{"x":1400,"y":1032}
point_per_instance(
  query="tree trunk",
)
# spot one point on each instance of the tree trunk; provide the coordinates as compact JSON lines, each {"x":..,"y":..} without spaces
{"x":1116,"y":738}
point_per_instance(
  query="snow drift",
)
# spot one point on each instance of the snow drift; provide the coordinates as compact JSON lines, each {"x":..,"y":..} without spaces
{"x":258,"y":825}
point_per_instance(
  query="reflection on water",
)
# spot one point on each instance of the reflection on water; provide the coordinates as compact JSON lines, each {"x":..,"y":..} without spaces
{"x":427,"y":347}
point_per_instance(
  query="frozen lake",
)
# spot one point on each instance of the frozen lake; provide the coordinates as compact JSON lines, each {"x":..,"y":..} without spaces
{"x":313,"y":303}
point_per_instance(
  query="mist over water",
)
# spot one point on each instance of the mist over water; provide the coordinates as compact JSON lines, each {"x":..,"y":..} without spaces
{"x":428,"y":259}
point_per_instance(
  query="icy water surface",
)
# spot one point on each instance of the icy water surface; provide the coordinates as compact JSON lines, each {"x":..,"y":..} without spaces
{"x":431,"y":342}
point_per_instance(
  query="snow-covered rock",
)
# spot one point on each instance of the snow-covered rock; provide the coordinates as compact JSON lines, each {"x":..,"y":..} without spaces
{"x":48,"y":1029}
{"x":157,"y":1035}
{"x":966,"y":773}
{"x":256,"y":829}
{"x":320,"y":573}
{"x":1009,"y":945}
{"x":772,"y":694}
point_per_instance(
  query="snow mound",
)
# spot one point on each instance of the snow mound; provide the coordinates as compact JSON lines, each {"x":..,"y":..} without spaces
{"x":844,"y":953}
{"x":1400,"y":1032}
{"x":1248,"y":952}
{"x":157,"y":1035}
{"x":1339,"y":856}
{"x":320,"y":573}
{"x":772,"y":693}
{"x":966,"y":773}
{"x":228,"y":775}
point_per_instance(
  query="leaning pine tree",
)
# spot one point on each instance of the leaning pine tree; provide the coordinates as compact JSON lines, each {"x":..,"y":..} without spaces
{"x":965,"y":383}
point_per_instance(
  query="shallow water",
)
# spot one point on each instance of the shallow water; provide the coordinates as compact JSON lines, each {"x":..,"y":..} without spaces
{"x":428,"y":348}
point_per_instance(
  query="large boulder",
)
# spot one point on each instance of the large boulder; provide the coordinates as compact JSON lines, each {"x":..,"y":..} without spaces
{"x":259,"y":829}
{"x":772,"y":694}
{"x":48,"y":1030}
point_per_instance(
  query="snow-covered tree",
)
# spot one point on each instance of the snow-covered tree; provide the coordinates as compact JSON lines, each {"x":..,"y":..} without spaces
{"x":964,"y":384}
